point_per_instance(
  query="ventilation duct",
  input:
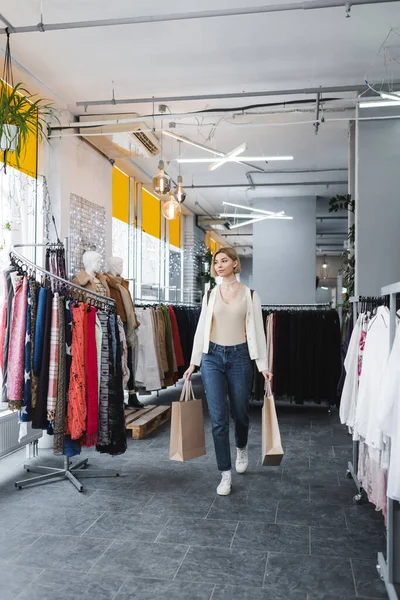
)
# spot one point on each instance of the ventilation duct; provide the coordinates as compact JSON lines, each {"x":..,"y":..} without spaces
{"x":115,"y":141}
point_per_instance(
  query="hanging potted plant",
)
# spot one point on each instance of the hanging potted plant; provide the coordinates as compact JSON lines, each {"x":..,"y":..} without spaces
{"x":21,"y":113}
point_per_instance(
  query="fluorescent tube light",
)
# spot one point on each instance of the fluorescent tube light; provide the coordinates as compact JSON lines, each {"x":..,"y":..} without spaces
{"x":324,"y":288}
{"x":186,"y":140}
{"x":242,"y":158}
{"x":245,"y":216}
{"x":231,"y":155}
{"x":256,"y":210}
{"x":274,"y":217}
{"x":379,"y":104}
{"x":393,"y":96}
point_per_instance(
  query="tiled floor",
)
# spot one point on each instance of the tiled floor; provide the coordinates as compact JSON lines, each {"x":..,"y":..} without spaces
{"x":161,"y":532}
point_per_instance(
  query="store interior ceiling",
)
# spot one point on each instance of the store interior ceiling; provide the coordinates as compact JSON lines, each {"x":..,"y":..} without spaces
{"x":219,"y":81}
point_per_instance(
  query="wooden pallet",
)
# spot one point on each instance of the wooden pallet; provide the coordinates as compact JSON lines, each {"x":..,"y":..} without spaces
{"x":141,"y":422}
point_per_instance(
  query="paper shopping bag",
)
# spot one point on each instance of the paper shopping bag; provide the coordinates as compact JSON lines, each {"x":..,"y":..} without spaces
{"x":187,"y":427}
{"x":272,"y":451}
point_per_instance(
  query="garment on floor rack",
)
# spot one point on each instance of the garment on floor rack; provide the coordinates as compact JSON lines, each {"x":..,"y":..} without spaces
{"x":55,"y":262}
{"x":61,"y":359}
{"x":164,"y":343}
{"x":304,"y":343}
{"x":365,"y":394}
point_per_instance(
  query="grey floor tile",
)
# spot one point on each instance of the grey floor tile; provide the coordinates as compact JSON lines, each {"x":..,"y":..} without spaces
{"x":12,"y":543}
{"x":295,"y":462}
{"x":135,"y":558}
{"x":332,"y":494}
{"x":198,"y":532}
{"x":364,"y":517}
{"x":317,"y":451}
{"x":304,"y":513}
{"x":64,"y":552}
{"x":123,"y":482}
{"x":153,"y":589}
{"x":279,"y":490}
{"x":243,"y":508}
{"x":13,"y":515}
{"x":219,"y":565}
{"x":342,"y":543}
{"x":334,"y":597}
{"x":368,"y":582}
{"x":311,"y":476}
{"x":60,"y":521}
{"x":130,"y":501}
{"x":264,"y":537}
{"x":64,"y":585}
{"x":14,"y":579}
{"x":164,"y":481}
{"x":126,"y":525}
{"x":177,"y":506}
{"x":309,"y":574}
{"x":343,"y":452}
{"x":230,"y":592}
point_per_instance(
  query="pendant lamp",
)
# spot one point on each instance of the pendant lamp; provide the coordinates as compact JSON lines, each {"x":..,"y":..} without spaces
{"x":161,"y":182}
{"x":179,"y":193}
{"x":171,"y":208}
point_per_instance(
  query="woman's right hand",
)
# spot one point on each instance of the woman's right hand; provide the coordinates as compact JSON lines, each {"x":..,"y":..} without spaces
{"x":188,"y":374}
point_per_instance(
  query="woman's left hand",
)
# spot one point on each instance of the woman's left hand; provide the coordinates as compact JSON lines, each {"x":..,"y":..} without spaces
{"x":267,"y":376}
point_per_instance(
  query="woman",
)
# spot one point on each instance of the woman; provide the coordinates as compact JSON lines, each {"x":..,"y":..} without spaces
{"x":230,"y":334}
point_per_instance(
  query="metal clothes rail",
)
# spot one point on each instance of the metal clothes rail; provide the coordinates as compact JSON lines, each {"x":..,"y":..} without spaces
{"x":82,"y":293}
{"x":298,"y":306}
{"x":69,"y":469}
{"x":389,"y":568}
{"x":171,"y":302}
{"x":352,"y":466}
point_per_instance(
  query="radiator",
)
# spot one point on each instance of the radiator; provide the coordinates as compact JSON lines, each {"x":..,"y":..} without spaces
{"x":9,"y":429}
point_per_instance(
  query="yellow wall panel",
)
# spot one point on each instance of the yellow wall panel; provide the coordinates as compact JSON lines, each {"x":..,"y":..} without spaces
{"x":175,"y":232}
{"x":120,"y":195}
{"x":151,"y":214}
{"x":213,"y":246}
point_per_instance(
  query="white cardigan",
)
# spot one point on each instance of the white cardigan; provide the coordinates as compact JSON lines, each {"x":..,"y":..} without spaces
{"x":255,"y":335}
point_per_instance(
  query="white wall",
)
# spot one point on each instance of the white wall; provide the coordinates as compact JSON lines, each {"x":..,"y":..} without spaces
{"x":284,"y":252}
{"x":74,"y":167}
{"x":246,"y":275}
{"x":377,"y":206}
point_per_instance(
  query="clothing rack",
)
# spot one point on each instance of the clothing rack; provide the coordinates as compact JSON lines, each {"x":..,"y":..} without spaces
{"x":172,"y":302}
{"x":324,"y":305}
{"x":360,"y":303}
{"x":352,"y":466}
{"x":389,"y":569}
{"x":97,"y":300}
{"x":82,"y":294}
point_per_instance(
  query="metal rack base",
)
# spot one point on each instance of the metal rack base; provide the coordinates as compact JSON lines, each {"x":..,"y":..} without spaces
{"x":68,"y":472}
{"x":382,"y":569}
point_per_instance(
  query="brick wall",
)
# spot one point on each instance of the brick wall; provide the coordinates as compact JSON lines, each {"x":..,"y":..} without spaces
{"x":193,"y":246}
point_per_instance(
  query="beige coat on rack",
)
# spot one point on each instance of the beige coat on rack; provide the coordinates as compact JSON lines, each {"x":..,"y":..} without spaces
{"x":89,"y":282}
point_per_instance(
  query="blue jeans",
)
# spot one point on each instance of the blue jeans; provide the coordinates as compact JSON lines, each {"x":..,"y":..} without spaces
{"x":227,"y":369}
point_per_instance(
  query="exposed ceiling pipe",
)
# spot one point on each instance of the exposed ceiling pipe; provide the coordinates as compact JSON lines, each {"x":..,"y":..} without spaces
{"x":260,"y":94}
{"x":291,"y":171}
{"x":189,"y":16}
{"x":246,"y":185}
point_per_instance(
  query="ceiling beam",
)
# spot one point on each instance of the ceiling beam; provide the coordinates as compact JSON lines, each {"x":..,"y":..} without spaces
{"x":281,"y":184}
{"x":255,"y":94}
{"x":204,"y":14}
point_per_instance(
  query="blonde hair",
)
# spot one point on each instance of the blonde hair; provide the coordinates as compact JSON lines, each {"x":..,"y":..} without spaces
{"x":232,"y":254}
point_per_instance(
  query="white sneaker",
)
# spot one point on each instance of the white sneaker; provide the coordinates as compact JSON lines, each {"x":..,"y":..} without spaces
{"x":242,"y":460}
{"x":225,"y":487}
